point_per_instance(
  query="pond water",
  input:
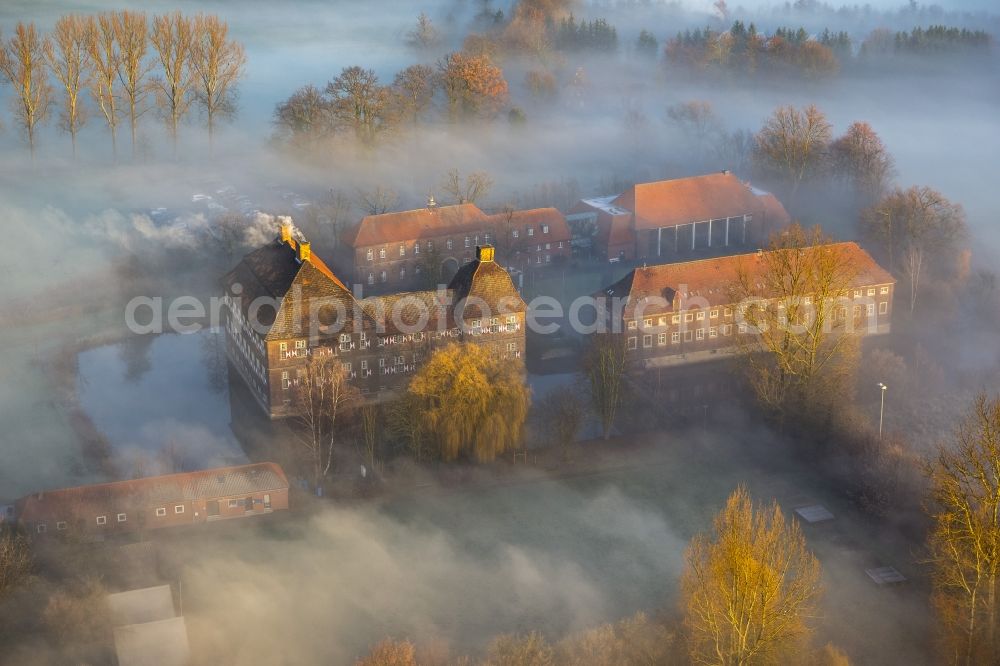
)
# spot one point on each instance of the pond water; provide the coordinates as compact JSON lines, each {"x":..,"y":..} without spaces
{"x":162,"y":401}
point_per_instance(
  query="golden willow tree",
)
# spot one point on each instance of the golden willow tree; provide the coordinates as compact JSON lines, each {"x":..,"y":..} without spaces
{"x":471,"y":402}
{"x":66,"y":54}
{"x":748,"y":588}
{"x":798,"y":352}
{"x":22,"y":62}
{"x":964,"y":540}
{"x":132,"y":64}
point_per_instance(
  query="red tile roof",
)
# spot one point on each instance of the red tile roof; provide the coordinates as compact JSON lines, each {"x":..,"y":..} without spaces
{"x":85,"y":502}
{"x":711,"y":279}
{"x":685,"y":200}
{"x":415,"y":224}
{"x":536,"y":217}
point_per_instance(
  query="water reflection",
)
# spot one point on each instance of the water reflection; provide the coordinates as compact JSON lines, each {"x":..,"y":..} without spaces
{"x":161,"y":402}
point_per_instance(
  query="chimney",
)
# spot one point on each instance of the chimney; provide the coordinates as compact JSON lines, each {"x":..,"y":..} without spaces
{"x":484,"y":252}
{"x":286,"y":229}
{"x":305,"y":251}
{"x":431,"y":203}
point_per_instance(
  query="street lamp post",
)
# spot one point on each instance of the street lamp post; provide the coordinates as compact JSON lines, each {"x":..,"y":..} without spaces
{"x":881,"y":409}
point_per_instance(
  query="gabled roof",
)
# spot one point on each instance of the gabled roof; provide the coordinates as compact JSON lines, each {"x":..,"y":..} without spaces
{"x":686,"y":200}
{"x":536,"y":217}
{"x":711,"y":279}
{"x":273,"y":271}
{"x":85,"y":502}
{"x":415,"y":224}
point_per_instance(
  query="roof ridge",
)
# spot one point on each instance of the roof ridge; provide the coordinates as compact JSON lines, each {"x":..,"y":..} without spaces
{"x":212,"y":470}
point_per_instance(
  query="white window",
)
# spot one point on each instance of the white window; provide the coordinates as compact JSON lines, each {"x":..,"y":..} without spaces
{"x":743,"y":328}
{"x":178,"y":508}
{"x":286,"y":382}
{"x":430,"y":246}
{"x":121,"y":517}
{"x":727,"y":329}
{"x":346,"y":366}
{"x":548,"y":258}
{"x":700,"y":334}
{"x":41,"y":528}
{"x":486,"y":237}
{"x":449,"y":244}
{"x":675,"y":338}
{"x":402,"y":250}
{"x":857,"y":293}
{"x":701,"y":315}
{"x":381,"y":253}
{"x":647,"y":341}
{"x":883,"y":290}
{"x":300,"y":344}
{"x":539,"y":248}
{"x":560,"y":244}
{"x":370,"y":254}
{"x":160,"y":512}
{"x":870,"y":309}
{"x":364,"y":364}
{"x":632,"y":325}
{"x":416,"y":248}
{"x":713,"y":332}
{"x":512,"y":346}
{"x":381,"y":362}
{"x":715,"y":313}
{"x":531,"y":231}
{"x":728,"y":312}
{"x":468,"y":241}
{"x":382,"y":276}
{"x":661,"y":321}
{"x":688,"y":316}
{"x":538,"y":259}
{"x":883,"y":307}
{"x":282,"y":350}
{"x":345,"y":337}
{"x":871,"y":291}
{"x":807,"y":300}
{"x":233,"y":503}
{"x":548,"y":246}
{"x":515,"y":233}
{"x":371,"y":278}
{"x":400,"y":360}
{"x":545,"y":228}
{"x":676,"y":319}
{"x":631,"y":343}
{"x":102,"y":520}
{"x":661,"y":339}
{"x":402,"y":273}
{"x":61,"y":525}
{"x":647,"y":323}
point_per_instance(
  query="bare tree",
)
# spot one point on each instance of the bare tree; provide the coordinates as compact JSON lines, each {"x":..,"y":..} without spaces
{"x":132,"y":65}
{"x":377,"y":201}
{"x":861,"y":159}
{"x":424,"y":35}
{"x":172,"y":38}
{"x":964,"y":540}
{"x":696,"y":119}
{"x":370,"y":419}
{"x":15,"y":561}
{"x":529,"y":649}
{"x":321,"y":395}
{"x":304,"y":117}
{"x":798,"y":355}
{"x":66,"y":53}
{"x":913,"y":226}
{"x":471,"y":189}
{"x":749,"y":587}
{"x":792,"y":145}
{"x":604,"y":365}
{"x":390,"y":653}
{"x":407,"y":427}
{"x":102,"y":56}
{"x":359,"y":102}
{"x":22,"y":62}
{"x":562,"y":413}
{"x":219,"y":63}
{"x":413,"y":90}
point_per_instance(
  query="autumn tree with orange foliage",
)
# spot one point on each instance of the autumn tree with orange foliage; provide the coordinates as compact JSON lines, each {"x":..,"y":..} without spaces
{"x":390,"y":653}
{"x":474,"y":86}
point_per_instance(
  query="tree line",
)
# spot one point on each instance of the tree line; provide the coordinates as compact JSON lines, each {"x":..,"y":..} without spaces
{"x":126,"y":64}
{"x":746,"y":50}
{"x":356,"y":103}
